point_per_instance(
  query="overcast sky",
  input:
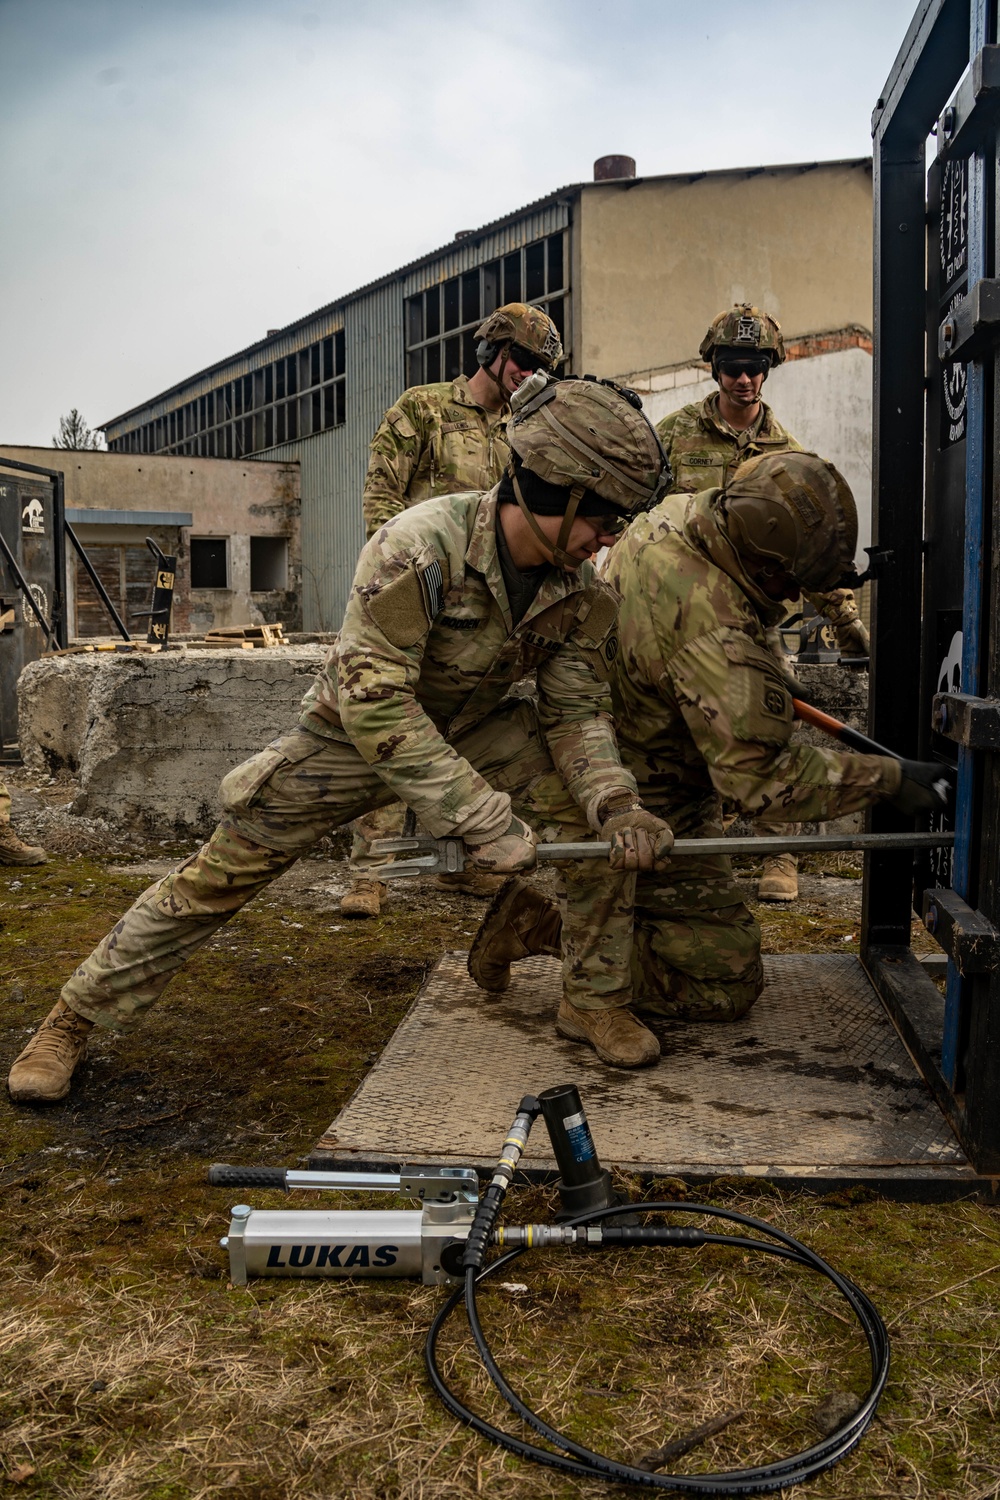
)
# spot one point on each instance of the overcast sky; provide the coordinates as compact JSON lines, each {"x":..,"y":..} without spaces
{"x":178,"y":176}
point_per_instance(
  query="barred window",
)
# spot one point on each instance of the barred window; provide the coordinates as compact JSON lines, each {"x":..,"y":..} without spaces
{"x":296,"y":396}
{"x":440,"y":323}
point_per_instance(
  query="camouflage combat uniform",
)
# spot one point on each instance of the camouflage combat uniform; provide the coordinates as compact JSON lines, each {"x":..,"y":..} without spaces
{"x":412,"y":703}
{"x":703,"y":450}
{"x":703,"y":715}
{"x":436,"y":440}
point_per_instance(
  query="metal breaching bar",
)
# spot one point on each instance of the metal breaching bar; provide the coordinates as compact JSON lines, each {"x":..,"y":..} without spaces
{"x":447,"y":856}
{"x":102,"y":592}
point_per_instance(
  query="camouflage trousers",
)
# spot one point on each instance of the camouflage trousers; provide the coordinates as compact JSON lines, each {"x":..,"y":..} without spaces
{"x":381,"y":823}
{"x":4,"y":805}
{"x":281,"y":802}
{"x":696,"y":946}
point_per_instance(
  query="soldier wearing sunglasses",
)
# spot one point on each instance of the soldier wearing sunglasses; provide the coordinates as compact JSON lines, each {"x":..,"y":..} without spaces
{"x":706,"y":441}
{"x":446,"y":439}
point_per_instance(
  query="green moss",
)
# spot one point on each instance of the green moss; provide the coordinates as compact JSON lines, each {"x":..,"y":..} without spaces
{"x":112,"y":1270}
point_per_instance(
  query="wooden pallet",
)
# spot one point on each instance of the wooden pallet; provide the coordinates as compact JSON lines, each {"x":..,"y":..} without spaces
{"x":254,"y":636}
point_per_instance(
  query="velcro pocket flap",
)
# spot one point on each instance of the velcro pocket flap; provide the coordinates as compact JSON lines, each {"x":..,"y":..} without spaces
{"x":400,"y":423}
{"x":404,"y":609}
{"x":760,"y":705}
{"x":600,"y":618}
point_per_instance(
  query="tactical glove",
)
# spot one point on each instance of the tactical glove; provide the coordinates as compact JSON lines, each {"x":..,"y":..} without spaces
{"x":639,"y":839}
{"x":795,"y":687}
{"x":509,"y":852}
{"x":925,"y":786}
{"x":853,"y":638}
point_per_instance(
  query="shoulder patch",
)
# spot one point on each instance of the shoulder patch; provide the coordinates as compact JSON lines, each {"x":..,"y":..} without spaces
{"x":400,"y":609}
{"x":601,"y":616}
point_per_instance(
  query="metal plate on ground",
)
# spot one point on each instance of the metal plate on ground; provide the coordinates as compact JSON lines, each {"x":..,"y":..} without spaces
{"x":814,"y":1085}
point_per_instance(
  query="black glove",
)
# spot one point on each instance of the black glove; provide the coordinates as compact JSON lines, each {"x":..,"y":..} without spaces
{"x":926,"y":786}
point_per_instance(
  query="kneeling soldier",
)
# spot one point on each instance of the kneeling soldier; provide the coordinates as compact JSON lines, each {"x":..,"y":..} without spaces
{"x":703,"y":715}
{"x":453,"y":602}
{"x":705,"y":442}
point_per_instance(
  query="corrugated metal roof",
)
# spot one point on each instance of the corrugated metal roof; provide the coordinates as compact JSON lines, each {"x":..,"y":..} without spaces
{"x":476,"y":234}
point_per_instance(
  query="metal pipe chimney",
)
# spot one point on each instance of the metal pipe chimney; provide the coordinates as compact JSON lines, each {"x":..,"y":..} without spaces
{"x":613,"y":168}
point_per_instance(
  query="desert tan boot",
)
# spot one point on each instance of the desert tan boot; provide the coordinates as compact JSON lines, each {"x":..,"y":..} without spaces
{"x":616,"y":1035}
{"x":13,"y":851}
{"x":472,"y":882}
{"x":780,"y":880}
{"x":45,"y":1067}
{"x":364,"y":899}
{"x":520,"y":921}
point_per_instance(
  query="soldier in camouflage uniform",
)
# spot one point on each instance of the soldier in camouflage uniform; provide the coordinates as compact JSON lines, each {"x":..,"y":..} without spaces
{"x":445,"y":439}
{"x":452,"y":603}
{"x":13,"y":851}
{"x":706,"y":441}
{"x":703,"y":715}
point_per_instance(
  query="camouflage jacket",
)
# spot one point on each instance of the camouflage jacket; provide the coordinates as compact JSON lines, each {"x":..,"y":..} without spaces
{"x":434,"y":441}
{"x":427,"y":650}
{"x":703,"y":450}
{"x":702,"y":710}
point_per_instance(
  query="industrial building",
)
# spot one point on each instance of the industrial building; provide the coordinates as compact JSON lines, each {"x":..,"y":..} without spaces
{"x":233,"y":527}
{"x":630,"y":269}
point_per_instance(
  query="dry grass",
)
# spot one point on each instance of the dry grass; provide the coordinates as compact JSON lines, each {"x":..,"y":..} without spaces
{"x":133,"y":1371}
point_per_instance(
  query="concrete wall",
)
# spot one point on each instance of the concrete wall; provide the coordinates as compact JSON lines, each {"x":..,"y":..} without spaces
{"x":151,"y":737}
{"x":824,"y":401}
{"x":659,"y":257}
{"x":233,"y":499}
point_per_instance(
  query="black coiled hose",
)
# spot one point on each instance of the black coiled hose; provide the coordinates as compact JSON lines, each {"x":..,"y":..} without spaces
{"x":582,"y":1462}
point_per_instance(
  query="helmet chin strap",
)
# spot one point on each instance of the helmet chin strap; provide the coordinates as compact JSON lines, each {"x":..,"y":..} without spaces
{"x":498,"y":379}
{"x":555,"y":550}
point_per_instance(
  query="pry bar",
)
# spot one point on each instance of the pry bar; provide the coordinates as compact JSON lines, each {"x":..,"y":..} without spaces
{"x":430,"y":856}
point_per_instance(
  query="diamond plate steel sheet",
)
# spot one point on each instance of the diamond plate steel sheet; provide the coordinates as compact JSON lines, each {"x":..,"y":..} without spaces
{"x":814,"y":1082}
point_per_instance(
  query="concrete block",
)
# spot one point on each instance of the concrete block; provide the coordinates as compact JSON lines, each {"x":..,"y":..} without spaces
{"x":151,"y":737}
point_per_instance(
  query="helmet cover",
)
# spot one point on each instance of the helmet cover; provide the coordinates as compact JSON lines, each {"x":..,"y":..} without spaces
{"x":531,"y":327}
{"x":744,"y":330}
{"x":796,"y":509}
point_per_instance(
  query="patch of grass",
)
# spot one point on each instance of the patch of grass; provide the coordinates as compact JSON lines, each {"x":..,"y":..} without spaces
{"x":134,"y":1371}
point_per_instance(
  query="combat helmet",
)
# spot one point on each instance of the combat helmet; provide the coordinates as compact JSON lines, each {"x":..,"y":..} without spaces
{"x":592,"y":442}
{"x":529,"y":330}
{"x":795,"y":509}
{"x":743,"y":331}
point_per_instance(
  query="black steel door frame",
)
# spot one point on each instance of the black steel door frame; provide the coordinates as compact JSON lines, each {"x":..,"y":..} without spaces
{"x":57,"y":627}
{"x":932,"y":492}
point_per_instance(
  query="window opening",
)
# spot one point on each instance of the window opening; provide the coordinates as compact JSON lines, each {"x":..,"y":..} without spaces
{"x":209,"y":563}
{"x":254,"y":411}
{"x":268,"y":563}
{"x":435,"y":353}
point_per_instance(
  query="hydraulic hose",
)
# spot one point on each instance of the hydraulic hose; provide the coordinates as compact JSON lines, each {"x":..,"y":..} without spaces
{"x":573,"y":1458}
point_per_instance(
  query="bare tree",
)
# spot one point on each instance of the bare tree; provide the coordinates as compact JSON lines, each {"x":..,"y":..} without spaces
{"x":74,"y":433}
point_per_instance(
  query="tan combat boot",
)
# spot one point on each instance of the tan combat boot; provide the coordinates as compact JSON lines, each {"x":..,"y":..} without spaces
{"x":45,"y":1067}
{"x":13,"y":851}
{"x":520,"y":922}
{"x":472,"y":882}
{"x":780,"y":880}
{"x":364,"y":899}
{"x":616,"y":1035}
